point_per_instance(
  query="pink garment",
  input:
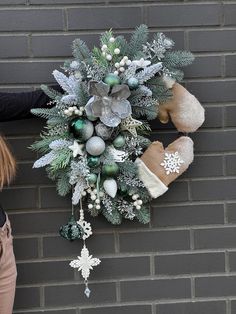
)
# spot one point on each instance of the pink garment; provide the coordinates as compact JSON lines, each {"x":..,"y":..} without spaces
{"x":8,"y":271}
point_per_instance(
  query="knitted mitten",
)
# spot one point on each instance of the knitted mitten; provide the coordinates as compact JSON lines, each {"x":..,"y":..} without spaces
{"x":158,"y":167}
{"x":184,"y":110}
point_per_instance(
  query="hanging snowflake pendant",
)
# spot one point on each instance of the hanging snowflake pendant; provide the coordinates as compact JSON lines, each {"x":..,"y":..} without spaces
{"x":85,"y":263}
{"x":172,"y":162}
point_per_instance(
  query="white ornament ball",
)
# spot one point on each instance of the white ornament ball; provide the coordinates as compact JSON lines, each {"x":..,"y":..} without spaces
{"x":111,"y":40}
{"x":109,"y":57}
{"x":93,"y":197}
{"x":122,"y":69}
{"x":122,"y":63}
{"x":138,"y":207}
{"x":98,"y":206}
{"x":128,"y":62}
{"x":117,"y":65}
{"x":139,"y":202}
{"x":95,"y":146}
{"x":125,"y":58}
{"x":66,"y":111}
{"x":90,"y":206}
{"x":116,"y":51}
{"x":116,"y":72}
{"x":104,"y":53}
{"x":134,"y":197}
{"x":97,"y":201}
{"x":104,"y":47}
{"x":110,"y":187}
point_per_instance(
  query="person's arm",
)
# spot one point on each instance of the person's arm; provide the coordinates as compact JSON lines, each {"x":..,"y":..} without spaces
{"x":14,"y":106}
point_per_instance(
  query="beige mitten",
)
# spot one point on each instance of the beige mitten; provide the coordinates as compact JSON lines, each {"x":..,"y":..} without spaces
{"x":184,"y":110}
{"x":158,"y":167}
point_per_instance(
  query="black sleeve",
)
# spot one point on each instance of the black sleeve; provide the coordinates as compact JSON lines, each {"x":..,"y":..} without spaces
{"x":15,"y":106}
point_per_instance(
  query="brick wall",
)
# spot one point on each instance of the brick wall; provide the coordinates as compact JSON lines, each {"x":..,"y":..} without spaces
{"x":184,"y":262}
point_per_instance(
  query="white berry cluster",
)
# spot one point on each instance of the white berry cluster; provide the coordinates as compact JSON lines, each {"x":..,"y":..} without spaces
{"x":120,"y":66}
{"x":108,"y":54}
{"x":74,"y":111}
{"x":95,"y":198}
{"x":137,"y":202}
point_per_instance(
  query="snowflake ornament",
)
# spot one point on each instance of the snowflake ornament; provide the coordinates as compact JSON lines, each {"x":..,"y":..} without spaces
{"x":85,"y":263}
{"x":172,"y":162}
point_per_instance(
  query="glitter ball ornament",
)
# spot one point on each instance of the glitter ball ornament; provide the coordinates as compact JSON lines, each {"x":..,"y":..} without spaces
{"x":119,"y":141}
{"x":112,"y":79}
{"x":110,"y":170}
{"x":95,"y":146}
{"x":72,"y":230}
{"x":93,"y":161}
{"x":81,"y":128}
{"x":133,"y":83}
{"x":92,"y":178}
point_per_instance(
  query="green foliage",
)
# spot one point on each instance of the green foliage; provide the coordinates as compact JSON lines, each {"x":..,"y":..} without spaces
{"x":150,"y":112}
{"x":138,"y":39}
{"x":99,"y":58}
{"x":50,"y":92}
{"x":159,"y":90}
{"x":45,"y":112}
{"x":114,"y":217}
{"x":177,"y":59}
{"x":42,"y":145}
{"x":63,"y":185}
{"x":81,"y":51}
{"x":62,"y":161}
{"x":143,"y":215}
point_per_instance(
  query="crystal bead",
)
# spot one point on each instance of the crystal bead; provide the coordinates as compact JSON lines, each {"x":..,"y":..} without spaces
{"x":87,"y":292}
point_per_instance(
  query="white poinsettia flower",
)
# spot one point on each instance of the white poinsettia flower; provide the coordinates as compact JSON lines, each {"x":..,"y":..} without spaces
{"x":141,"y":63}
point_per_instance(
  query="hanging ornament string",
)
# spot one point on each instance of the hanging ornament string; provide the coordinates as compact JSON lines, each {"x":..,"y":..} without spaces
{"x":85,"y":262}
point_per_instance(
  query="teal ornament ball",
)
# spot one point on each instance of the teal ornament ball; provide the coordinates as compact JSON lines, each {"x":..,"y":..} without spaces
{"x":119,"y":141}
{"x":110,"y":170}
{"x":82,"y":129}
{"x":72,"y":230}
{"x":112,"y":79}
{"x":95,"y":146}
{"x":92,"y":178}
{"x":133,"y":83}
{"x":93,"y":161}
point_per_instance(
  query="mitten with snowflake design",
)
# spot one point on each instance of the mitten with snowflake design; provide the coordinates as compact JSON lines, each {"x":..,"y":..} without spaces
{"x":184,"y":110}
{"x":158,"y":167}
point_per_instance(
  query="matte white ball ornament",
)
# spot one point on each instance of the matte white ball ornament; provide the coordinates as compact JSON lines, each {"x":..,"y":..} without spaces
{"x":95,"y":146}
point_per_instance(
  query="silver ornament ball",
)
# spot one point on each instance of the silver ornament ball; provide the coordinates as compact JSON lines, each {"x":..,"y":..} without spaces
{"x":95,"y":146}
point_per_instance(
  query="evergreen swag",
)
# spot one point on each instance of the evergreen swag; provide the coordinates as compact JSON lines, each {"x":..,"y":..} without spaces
{"x":112,"y":86}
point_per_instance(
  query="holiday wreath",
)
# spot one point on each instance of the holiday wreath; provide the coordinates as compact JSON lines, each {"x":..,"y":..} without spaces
{"x":96,"y":140}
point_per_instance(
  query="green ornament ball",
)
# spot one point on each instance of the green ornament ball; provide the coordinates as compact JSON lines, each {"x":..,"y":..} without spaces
{"x":133,"y":83}
{"x":82,"y":129}
{"x":110,"y":170}
{"x":93,"y":161}
{"x":92,"y":178}
{"x":112,"y":79}
{"x":119,"y":141}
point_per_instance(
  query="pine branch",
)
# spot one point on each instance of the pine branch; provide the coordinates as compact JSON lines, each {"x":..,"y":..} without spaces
{"x":150,"y":112}
{"x":138,"y":39}
{"x":63,"y":185}
{"x":177,"y":59}
{"x":143,"y":215}
{"x":80,"y":50}
{"x":50,"y":92}
{"x":147,"y":73}
{"x":45,"y":113}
